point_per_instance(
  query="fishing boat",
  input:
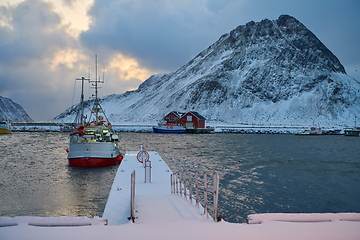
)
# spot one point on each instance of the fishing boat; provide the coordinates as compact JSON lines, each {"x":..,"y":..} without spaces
{"x":316,"y":131}
{"x":169,"y":128}
{"x":303,"y":133}
{"x":5,"y":127}
{"x":353,"y":132}
{"x":94,"y":143}
{"x":313,"y":131}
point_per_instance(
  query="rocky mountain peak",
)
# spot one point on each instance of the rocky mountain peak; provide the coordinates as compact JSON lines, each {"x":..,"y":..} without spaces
{"x":272,"y":71}
{"x":12,"y":111}
{"x":272,"y":59}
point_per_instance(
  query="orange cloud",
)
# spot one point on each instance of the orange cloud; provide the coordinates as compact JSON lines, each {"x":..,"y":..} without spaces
{"x":128,"y":68}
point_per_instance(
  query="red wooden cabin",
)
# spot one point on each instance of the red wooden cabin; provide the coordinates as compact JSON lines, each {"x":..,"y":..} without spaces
{"x":174,"y":118}
{"x":189,"y":120}
{"x":193,"y":120}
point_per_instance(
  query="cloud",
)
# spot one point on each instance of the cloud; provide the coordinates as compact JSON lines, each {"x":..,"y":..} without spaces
{"x":30,"y":24}
{"x":32,"y":38}
{"x":40,"y":59}
{"x":161,"y":34}
{"x":45,"y":45}
{"x":68,"y":2}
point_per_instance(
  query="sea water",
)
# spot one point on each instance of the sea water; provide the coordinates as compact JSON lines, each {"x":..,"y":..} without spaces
{"x":259,"y":173}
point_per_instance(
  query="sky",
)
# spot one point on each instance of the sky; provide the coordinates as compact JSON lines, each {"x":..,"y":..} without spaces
{"x":46,"y":44}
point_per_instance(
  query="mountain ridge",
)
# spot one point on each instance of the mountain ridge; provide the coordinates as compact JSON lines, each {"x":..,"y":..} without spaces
{"x":12,"y":111}
{"x":267,"y":72}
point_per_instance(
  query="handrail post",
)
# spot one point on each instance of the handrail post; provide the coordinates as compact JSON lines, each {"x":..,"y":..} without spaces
{"x":132,"y":197}
{"x":181,"y":183}
{"x":147,"y":167}
{"x":197,"y":188}
{"x":187,"y":184}
{"x":190,"y":186}
{"x":205,"y":196}
{"x":171,"y":184}
{"x":176,"y":183}
{"x":216,"y":180}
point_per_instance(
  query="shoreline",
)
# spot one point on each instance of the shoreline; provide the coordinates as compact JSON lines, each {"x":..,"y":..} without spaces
{"x":147,"y":128}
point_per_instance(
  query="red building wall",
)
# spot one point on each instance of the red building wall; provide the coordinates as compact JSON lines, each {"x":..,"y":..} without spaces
{"x":189,"y":118}
{"x":173,"y":118}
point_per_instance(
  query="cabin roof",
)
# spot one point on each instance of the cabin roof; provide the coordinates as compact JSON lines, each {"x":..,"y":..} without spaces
{"x":179,"y":114}
{"x":196,"y":114}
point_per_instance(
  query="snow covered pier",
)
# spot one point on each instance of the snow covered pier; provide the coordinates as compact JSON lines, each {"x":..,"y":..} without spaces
{"x":159,"y":214}
{"x":154,"y":202}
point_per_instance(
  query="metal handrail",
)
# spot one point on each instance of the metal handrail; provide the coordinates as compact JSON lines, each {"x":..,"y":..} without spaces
{"x":196,"y":186}
{"x":132,"y":197}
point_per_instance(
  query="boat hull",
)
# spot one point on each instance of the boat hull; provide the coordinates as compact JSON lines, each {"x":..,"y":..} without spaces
{"x":5,"y":127}
{"x":5,"y":131}
{"x":312,"y":132}
{"x":93,"y":154}
{"x":94,"y":162}
{"x":163,"y":130}
{"x":352,"y":133}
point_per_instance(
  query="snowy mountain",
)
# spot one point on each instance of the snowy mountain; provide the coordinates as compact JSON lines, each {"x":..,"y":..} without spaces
{"x":12,"y":111}
{"x":273,"y":72}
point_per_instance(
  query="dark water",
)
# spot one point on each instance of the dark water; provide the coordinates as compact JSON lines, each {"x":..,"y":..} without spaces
{"x":259,"y":173}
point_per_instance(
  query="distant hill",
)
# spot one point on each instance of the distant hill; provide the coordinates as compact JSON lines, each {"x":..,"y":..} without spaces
{"x":272,"y":72}
{"x":12,"y":111}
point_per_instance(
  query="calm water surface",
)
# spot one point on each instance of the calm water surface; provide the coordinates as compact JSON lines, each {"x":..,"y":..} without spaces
{"x":259,"y":173}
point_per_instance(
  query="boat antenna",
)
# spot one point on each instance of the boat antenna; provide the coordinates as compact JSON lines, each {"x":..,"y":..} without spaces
{"x":96,"y":90}
{"x":82,"y":118}
{"x":104,"y":74}
{"x":355,"y":120}
{"x":97,"y":108}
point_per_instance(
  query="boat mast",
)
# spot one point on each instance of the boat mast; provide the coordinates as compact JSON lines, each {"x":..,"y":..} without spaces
{"x":97,"y":108}
{"x":82,"y":118}
{"x":355,"y":121}
{"x":96,"y":90}
{"x":96,"y":94}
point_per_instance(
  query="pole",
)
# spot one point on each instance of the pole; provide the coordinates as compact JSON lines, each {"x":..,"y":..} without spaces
{"x":82,"y":120}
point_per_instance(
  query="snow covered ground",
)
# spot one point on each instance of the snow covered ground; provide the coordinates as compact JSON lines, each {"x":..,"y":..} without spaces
{"x":192,"y":229}
{"x":218,"y":128}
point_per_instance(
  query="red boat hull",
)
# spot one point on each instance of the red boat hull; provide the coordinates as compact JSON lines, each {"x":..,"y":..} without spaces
{"x":94,"y":162}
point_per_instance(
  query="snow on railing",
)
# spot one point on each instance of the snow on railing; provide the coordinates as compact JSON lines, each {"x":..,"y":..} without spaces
{"x":199,"y":188}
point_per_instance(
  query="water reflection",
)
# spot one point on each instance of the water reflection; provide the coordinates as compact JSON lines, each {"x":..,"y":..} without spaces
{"x":259,"y":173}
{"x":89,"y":189}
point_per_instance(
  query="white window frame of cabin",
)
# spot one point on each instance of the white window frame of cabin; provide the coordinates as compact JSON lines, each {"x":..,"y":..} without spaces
{"x":171,"y":118}
{"x":189,"y":118}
